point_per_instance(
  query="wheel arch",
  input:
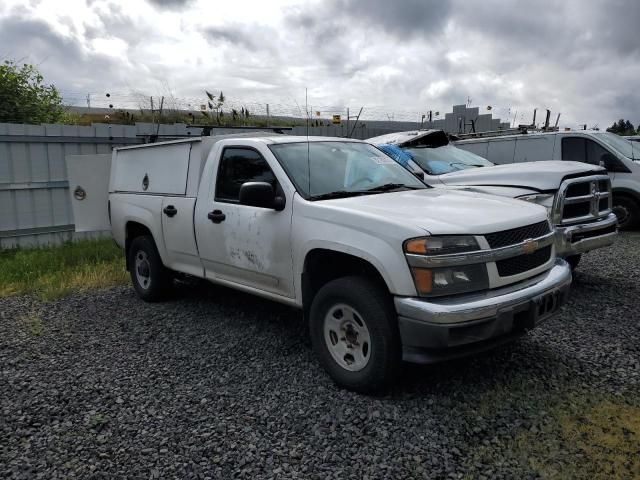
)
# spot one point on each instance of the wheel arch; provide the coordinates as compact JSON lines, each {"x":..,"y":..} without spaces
{"x":134,"y":229}
{"x":321,"y":265}
{"x":626,"y":192}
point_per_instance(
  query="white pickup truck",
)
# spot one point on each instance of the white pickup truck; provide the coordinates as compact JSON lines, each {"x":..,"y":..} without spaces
{"x":620,"y":157}
{"x":384,"y":267}
{"x":577,"y":195}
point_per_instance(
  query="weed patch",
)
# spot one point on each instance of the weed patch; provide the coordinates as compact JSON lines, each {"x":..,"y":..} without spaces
{"x":53,"y":272}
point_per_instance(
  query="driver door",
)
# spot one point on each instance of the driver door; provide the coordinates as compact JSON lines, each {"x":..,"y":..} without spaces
{"x":245,"y":245}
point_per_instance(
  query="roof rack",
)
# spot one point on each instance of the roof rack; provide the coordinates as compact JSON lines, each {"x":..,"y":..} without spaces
{"x":206,"y":132}
{"x":206,"y":129}
{"x":520,"y":129}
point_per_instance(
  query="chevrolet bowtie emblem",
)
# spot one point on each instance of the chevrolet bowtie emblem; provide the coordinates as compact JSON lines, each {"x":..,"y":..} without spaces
{"x":529,"y":246}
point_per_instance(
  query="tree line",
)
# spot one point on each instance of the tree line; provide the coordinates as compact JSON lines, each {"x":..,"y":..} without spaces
{"x":624,"y":127}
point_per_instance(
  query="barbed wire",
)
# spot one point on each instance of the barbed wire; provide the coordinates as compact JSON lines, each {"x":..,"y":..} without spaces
{"x":137,"y":101}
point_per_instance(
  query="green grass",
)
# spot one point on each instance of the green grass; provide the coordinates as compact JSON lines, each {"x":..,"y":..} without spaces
{"x":53,"y":272}
{"x":587,"y":439}
{"x":576,"y":435}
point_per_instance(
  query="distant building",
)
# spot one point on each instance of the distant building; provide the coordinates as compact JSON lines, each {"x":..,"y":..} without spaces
{"x":463,"y":120}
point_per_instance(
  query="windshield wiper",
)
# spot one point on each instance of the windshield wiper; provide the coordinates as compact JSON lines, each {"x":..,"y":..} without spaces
{"x":465,"y":165}
{"x":336,"y":194}
{"x":354,"y":193}
{"x":391,"y":186}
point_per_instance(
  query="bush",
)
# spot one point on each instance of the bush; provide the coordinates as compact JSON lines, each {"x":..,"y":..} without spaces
{"x":24,"y":98}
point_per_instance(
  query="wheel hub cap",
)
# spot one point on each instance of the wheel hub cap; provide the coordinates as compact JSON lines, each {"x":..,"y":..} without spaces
{"x":347,"y":337}
{"x":621,"y":212}
{"x":143,"y":270}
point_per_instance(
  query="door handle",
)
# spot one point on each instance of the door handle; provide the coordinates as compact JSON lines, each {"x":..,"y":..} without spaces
{"x":216,"y":216}
{"x":170,"y":210}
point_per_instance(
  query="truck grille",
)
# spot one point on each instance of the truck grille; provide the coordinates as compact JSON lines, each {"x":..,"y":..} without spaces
{"x":517,"y":235}
{"x":583,"y":199}
{"x":523,"y":263}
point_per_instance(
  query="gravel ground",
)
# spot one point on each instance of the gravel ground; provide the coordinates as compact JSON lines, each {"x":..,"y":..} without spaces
{"x":218,"y":384}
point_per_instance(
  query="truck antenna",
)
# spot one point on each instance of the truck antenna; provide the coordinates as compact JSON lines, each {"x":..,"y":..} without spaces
{"x":306,"y":114}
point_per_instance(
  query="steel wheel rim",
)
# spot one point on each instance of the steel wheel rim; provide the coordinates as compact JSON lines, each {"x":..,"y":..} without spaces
{"x":143,"y":269}
{"x":347,"y":337}
{"x":621,"y":212}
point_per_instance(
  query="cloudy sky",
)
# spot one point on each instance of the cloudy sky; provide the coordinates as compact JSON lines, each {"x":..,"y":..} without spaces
{"x":396,"y":58}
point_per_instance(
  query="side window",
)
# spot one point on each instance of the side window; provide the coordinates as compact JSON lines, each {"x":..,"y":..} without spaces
{"x":574,"y":149}
{"x":240,"y":165}
{"x":595,"y":153}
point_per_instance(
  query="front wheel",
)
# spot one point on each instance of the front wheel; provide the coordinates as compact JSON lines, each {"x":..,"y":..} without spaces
{"x":354,"y":333}
{"x":627,"y":211}
{"x":151,"y":279}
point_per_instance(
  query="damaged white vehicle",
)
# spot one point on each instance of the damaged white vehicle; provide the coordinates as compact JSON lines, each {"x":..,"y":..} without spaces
{"x":384,"y":267}
{"x":577,"y":195}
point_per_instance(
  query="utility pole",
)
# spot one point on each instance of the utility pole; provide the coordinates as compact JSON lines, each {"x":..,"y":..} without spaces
{"x":347,"y":120}
{"x":88,"y":100}
{"x":160,"y":115}
{"x":268,"y":116}
{"x":356,"y":122}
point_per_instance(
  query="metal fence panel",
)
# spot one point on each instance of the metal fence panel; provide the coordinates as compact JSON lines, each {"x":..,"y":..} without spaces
{"x":35,"y":208}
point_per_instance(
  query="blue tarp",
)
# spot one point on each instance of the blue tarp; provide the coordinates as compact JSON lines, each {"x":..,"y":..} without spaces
{"x":395,"y":152}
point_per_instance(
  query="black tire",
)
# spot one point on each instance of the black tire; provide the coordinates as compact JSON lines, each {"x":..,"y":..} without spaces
{"x":627,"y":211}
{"x":373,"y":305}
{"x":159,"y":277}
{"x":573,"y":261}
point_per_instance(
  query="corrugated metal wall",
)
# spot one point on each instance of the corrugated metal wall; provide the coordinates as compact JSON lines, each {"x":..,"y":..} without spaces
{"x":35,"y":208}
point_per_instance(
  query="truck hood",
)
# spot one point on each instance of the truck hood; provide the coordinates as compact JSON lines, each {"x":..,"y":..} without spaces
{"x":435,"y":210}
{"x":542,"y":176}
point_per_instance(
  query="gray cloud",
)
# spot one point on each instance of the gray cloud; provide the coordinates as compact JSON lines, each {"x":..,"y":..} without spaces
{"x":405,"y":18}
{"x":170,"y":4}
{"x":60,"y":58}
{"x":238,"y":35}
{"x":579,"y":58}
{"x":326,"y":40}
{"x":116,"y":23}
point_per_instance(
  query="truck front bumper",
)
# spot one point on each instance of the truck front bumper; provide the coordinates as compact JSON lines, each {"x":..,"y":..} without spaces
{"x":576,"y":239}
{"x":438,"y":329}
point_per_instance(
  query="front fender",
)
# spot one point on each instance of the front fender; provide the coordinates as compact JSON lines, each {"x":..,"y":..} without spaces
{"x":389,"y":262}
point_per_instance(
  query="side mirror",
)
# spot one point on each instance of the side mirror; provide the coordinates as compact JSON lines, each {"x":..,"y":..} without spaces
{"x":260,"y":194}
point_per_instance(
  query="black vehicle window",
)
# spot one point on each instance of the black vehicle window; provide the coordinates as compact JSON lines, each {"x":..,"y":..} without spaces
{"x":595,"y":152}
{"x":240,"y":165}
{"x":574,"y":149}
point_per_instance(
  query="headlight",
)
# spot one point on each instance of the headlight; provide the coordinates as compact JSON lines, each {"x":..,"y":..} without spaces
{"x":450,"y":280}
{"x":544,"y":199}
{"x":446,"y":280}
{"x":441,"y":245}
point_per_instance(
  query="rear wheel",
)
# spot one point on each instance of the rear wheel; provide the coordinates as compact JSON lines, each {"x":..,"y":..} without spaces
{"x":151,"y":279}
{"x":354,"y":332}
{"x":627,"y":211}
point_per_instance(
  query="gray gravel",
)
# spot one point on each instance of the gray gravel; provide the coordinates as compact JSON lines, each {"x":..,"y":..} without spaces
{"x":218,"y":384}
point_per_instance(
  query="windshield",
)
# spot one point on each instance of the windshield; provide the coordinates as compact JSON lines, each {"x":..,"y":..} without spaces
{"x":622,"y":145}
{"x":345,"y":168}
{"x":446,"y":159}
